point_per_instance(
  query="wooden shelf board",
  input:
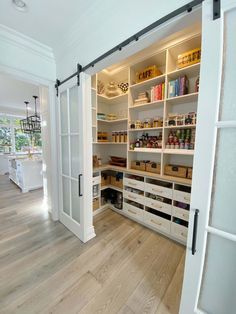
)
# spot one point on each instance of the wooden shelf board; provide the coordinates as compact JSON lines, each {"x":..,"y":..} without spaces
{"x":113,"y":121}
{"x":189,"y":126}
{"x":191,"y":70}
{"x":189,"y":152}
{"x":146,"y":150}
{"x":145,"y":129}
{"x":114,"y":100}
{"x":144,"y":173}
{"x":152,"y":81}
{"x":148,"y":104}
{"x":183,"y":99}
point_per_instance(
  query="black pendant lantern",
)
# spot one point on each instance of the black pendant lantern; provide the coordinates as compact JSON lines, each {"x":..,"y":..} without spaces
{"x":24,"y":123}
{"x":31,"y":124}
{"x":34,"y":120}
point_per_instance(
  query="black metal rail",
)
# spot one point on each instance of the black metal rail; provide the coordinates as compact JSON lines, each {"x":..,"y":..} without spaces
{"x":185,"y":8}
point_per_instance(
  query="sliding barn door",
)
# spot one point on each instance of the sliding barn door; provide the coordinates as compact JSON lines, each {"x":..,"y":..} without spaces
{"x":75,"y":142}
{"x":210,"y":272}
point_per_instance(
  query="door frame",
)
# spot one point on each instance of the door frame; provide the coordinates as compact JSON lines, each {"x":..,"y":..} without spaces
{"x":48,"y":87}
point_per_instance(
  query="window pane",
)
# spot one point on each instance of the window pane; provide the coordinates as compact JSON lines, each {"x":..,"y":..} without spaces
{"x":223,"y":213}
{"x":22,"y":141}
{"x":228,"y":103}
{"x":5,"y":140}
{"x":219,"y":277}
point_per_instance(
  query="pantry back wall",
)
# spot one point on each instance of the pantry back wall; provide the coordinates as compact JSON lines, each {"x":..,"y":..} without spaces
{"x":105,"y":24}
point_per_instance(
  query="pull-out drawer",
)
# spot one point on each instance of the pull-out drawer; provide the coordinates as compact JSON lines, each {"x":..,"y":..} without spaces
{"x":162,"y":207}
{"x":180,"y":213}
{"x":158,"y":190}
{"x":134,"y":183}
{"x":157,"y":222}
{"x":134,"y":197}
{"x":183,"y":197}
{"x":96,"y":180}
{"x":180,"y":232}
{"x":133,"y":211}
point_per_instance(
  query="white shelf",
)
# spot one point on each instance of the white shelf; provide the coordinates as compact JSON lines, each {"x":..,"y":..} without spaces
{"x":146,"y":150}
{"x":113,"y":121}
{"x":110,"y":143}
{"x":153,"y":81}
{"x":114,"y":100}
{"x":192,"y":70}
{"x":111,"y":187}
{"x":148,"y":105}
{"x":145,"y":129}
{"x":193,"y":97}
{"x":187,"y":126}
{"x":189,"y":152}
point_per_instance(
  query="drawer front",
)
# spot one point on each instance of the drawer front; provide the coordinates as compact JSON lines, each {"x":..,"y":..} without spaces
{"x":134,"y":197}
{"x":162,"y":207}
{"x":158,"y":190}
{"x":157,"y":222}
{"x":96,"y":180}
{"x":134,"y":184}
{"x":179,"y":232}
{"x":133,"y":211}
{"x":182,"y":197}
{"x":180,"y":213}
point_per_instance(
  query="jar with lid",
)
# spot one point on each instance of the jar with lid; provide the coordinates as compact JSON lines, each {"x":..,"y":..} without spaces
{"x":122,"y":138}
{"x":147,"y":124}
{"x":138,"y":124}
{"x":113,"y":136}
{"x":125,"y":136}
{"x":132,"y":125}
{"x":155,"y":122}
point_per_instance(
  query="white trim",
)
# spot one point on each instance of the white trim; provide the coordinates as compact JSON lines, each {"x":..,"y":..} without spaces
{"x":223,"y":234}
{"x":24,"y":42}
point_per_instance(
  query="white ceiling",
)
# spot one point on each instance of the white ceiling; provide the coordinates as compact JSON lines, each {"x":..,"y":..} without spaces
{"x":46,"y":20}
{"x":13,"y":93}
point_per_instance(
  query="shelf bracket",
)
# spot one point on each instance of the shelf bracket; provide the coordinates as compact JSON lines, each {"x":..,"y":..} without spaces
{"x":216,"y":9}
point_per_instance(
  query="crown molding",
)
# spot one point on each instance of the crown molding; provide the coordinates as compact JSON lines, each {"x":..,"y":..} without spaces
{"x":26,"y":43}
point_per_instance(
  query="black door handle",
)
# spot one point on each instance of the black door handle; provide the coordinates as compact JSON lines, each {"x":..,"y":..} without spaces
{"x":79,"y":185}
{"x":195,"y":223}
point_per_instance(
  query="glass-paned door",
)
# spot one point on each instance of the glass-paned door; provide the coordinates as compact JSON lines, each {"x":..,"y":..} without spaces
{"x":210,"y":274}
{"x":75,"y":169}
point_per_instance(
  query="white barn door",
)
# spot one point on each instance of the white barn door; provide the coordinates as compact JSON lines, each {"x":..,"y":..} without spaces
{"x":75,"y":160}
{"x":210,"y":272}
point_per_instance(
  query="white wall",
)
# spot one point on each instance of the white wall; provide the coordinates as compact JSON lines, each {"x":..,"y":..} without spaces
{"x":106,"y":24}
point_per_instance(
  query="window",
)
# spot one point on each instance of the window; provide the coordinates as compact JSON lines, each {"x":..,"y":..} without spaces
{"x":12,"y":139}
{"x":5,"y":140}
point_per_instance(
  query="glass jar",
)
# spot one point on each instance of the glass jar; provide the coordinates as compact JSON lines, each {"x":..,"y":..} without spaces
{"x":125,"y":136}
{"x":113,"y":136}
{"x":122,"y":138}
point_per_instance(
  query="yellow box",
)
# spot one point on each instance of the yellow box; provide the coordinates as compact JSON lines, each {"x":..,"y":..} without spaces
{"x":147,"y":73}
{"x":188,"y":58}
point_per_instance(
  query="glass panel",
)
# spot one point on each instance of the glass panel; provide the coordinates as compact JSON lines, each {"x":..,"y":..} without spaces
{"x":5,"y":140}
{"x":65,"y":154}
{"x":66,"y":195}
{"x":228,"y":103}
{"x":219,"y":278}
{"x":75,"y":157}
{"x":223,"y":210}
{"x":74,"y":110}
{"x":75,"y":201}
{"x":64,"y":112}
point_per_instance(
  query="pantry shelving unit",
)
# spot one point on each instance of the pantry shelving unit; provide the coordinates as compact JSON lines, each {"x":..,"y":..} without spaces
{"x":159,"y":201}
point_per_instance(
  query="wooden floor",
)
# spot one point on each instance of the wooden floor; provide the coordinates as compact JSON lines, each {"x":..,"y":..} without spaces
{"x":45,"y":269}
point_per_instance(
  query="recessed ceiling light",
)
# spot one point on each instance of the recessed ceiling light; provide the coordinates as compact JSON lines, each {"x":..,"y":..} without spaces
{"x":19,"y":5}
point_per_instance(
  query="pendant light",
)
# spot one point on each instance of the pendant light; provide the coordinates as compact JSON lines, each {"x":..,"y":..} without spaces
{"x":24,"y":123}
{"x":34,"y":120}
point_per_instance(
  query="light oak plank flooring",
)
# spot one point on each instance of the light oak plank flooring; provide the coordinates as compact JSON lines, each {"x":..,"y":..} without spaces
{"x":44,"y":268}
